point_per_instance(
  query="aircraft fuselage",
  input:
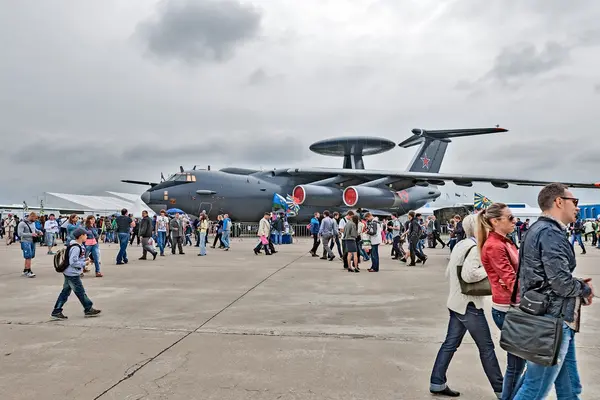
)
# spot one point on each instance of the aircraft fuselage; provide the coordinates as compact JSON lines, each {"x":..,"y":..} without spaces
{"x":248,"y":197}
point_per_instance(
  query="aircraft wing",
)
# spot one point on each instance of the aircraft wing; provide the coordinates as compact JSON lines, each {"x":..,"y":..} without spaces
{"x":424,"y":178}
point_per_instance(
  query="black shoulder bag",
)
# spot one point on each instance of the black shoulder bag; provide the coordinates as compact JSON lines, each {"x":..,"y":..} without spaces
{"x":534,"y":338}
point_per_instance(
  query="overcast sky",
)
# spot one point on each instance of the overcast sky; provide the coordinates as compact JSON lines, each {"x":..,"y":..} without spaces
{"x":95,"y":92}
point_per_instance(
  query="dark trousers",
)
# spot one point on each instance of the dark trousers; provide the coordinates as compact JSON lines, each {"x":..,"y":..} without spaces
{"x":514,"y":365}
{"x":218,"y":237}
{"x":437,"y":238}
{"x":316,"y":243}
{"x":72,"y":283}
{"x":594,"y":239}
{"x":414,"y":250}
{"x":336,"y":241}
{"x":177,"y":241}
{"x":375,"y":257}
{"x":396,"y":247}
{"x":475,"y":322}
{"x":133,"y":236}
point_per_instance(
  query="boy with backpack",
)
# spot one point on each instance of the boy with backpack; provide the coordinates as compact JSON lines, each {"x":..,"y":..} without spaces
{"x":70,"y":262}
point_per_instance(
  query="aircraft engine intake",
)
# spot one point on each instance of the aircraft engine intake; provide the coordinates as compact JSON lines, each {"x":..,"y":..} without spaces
{"x":318,"y":196}
{"x":371,"y":197}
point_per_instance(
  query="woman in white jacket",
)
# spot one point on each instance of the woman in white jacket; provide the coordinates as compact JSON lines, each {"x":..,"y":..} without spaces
{"x":466,"y":314}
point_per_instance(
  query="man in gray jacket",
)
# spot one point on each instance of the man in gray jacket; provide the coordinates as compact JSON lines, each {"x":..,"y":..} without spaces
{"x":145,"y":233}
{"x":28,"y":234}
{"x":547,"y":262}
{"x":176,"y":228}
{"x":326,"y":231}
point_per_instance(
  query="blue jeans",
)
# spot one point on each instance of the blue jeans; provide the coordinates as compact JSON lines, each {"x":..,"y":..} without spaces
{"x":277,"y":237}
{"x":375,"y":257}
{"x":203,"y":243}
{"x":50,"y":239}
{"x":225,"y":239}
{"x":538,"y":380}
{"x":475,"y":322}
{"x":162,"y":238}
{"x":95,"y":251}
{"x":577,"y":236}
{"x":514,"y":365}
{"x":123,"y":242}
{"x":72,"y":283}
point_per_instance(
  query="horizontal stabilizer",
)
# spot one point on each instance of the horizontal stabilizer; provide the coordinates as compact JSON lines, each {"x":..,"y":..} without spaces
{"x":444,"y":135}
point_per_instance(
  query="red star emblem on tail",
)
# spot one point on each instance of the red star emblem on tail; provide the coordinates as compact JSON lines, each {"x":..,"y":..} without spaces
{"x":426,"y":160}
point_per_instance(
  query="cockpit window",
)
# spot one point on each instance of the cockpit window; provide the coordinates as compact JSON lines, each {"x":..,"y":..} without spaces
{"x":186,"y":177}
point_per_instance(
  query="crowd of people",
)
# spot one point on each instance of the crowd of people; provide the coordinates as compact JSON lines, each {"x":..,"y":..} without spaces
{"x":492,"y":254}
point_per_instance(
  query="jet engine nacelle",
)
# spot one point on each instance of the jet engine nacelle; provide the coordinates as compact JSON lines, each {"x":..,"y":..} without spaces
{"x":371,"y":197}
{"x":318,"y":196}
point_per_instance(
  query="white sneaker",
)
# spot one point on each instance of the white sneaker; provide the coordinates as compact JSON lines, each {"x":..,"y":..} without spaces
{"x":29,"y":274}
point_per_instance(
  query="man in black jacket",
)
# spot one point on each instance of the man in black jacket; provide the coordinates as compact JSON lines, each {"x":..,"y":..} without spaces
{"x":414,"y":235}
{"x":547,"y":261}
{"x":146,"y":233}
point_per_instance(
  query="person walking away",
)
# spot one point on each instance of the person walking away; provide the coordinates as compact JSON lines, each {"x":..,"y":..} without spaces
{"x":51,"y":228}
{"x":72,"y":278}
{"x":594,"y":232}
{"x":226,"y":231}
{"x":436,"y":233}
{"x":500,"y":258}
{"x":145,"y":232}
{"x":135,"y":231}
{"x":374,"y":232}
{"x":576,"y":229}
{"x":314,"y":227}
{"x":336,"y":234}
{"x":466,"y":314}
{"x":92,"y":247}
{"x":326,"y":232}
{"x":429,"y":230}
{"x":188,"y":234}
{"x":162,"y":227}
{"x":396,"y":232}
{"x":264,"y":230}
{"x":547,"y":262}
{"x":362,"y":229}
{"x":29,"y":236}
{"x":219,"y":233}
{"x":350,"y":235}
{"x":176,"y":228}
{"x":203,"y":229}
{"x":123,"y":223}
{"x":518,"y":226}
{"x":414,"y":236}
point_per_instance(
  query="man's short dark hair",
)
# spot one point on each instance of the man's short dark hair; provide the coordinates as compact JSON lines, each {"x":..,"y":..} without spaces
{"x":326,"y":213}
{"x":52,"y":215}
{"x":395,"y":214}
{"x":411,"y":214}
{"x":124,"y":211}
{"x":549,"y":193}
{"x":267,"y":213}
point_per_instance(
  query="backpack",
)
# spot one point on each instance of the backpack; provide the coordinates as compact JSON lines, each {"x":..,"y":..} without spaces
{"x":372,"y":228}
{"x":61,"y":258}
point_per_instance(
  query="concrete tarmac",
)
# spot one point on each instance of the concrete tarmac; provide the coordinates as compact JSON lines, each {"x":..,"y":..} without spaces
{"x":233,"y":325}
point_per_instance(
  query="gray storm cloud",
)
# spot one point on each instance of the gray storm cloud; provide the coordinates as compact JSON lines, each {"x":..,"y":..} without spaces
{"x":199,"y":30}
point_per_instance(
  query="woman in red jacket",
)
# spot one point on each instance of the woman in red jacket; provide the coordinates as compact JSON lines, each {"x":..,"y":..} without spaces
{"x":500,"y":258}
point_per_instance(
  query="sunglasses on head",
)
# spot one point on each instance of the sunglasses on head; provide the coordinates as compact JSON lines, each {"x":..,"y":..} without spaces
{"x":573,"y":199}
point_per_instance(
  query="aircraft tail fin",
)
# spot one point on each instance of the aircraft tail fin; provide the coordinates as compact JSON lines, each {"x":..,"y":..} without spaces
{"x":434,"y":143}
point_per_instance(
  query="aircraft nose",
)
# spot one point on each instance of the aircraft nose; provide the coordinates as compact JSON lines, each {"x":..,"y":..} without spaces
{"x":146,"y":197}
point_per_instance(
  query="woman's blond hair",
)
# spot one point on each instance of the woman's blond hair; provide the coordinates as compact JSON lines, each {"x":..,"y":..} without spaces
{"x":484,"y":223}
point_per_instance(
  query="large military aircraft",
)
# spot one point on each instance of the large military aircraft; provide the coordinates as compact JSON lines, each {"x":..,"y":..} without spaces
{"x":245,"y":194}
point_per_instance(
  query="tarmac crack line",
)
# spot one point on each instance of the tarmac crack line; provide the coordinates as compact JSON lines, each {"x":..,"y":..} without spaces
{"x":149,"y":360}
